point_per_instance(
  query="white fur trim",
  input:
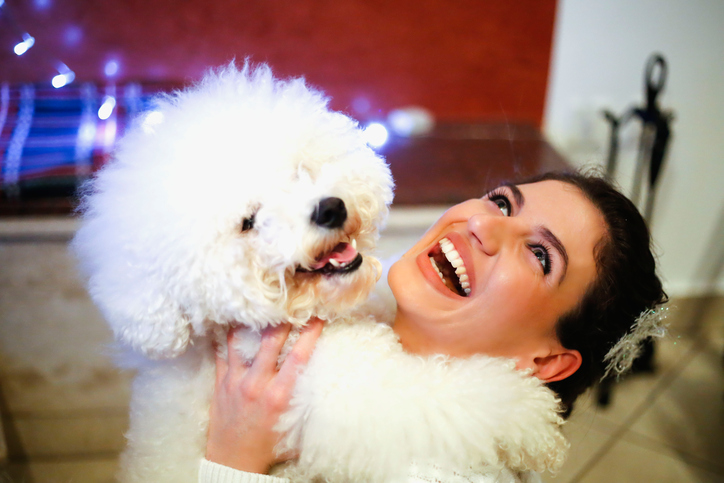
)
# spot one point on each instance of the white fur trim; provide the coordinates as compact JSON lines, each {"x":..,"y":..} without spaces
{"x":364,"y":410}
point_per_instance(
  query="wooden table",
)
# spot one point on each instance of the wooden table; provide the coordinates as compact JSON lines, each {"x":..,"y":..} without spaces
{"x":455,"y":162}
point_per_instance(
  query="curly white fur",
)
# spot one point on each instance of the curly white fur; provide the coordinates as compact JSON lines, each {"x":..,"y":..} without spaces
{"x":365,"y":410}
{"x":168,"y":261}
{"x":161,"y":237}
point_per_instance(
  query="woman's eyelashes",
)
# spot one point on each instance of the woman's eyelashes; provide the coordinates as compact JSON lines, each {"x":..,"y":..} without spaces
{"x":543,"y":254}
{"x":498,"y":197}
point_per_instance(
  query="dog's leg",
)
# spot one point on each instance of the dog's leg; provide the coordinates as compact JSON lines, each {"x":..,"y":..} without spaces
{"x":169,"y":418}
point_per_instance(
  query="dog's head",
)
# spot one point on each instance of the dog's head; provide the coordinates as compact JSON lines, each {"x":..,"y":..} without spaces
{"x":243,"y":199}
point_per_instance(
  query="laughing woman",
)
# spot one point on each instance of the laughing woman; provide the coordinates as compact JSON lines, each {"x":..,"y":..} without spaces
{"x":554,"y":274}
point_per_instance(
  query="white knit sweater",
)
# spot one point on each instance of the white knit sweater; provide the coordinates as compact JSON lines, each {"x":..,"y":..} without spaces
{"x":210,"y":472}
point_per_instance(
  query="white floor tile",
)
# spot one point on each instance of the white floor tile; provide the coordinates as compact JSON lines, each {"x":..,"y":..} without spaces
{"x":688,"y":416}
{"x":626,"y":462}
{"x":587,"y":435}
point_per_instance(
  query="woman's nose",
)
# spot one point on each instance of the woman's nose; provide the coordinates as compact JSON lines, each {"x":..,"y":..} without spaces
{"x":493,"y":232}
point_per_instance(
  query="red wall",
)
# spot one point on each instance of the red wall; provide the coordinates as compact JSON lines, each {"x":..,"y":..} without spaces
{"x":462,"y":59}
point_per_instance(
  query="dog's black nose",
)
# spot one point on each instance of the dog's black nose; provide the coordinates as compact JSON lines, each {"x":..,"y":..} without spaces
{"x":330,"y":213}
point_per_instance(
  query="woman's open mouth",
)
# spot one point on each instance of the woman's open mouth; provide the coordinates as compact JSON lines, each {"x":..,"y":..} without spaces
{"x":450,"y":267}
{"x":343,"y":258}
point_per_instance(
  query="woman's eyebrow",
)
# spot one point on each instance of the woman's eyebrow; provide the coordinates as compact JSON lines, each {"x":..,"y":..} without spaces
{"x":519,"y":198}
{"x":558,"y":246}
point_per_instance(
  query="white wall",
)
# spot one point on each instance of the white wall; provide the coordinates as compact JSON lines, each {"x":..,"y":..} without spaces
{"x":599,"y":53}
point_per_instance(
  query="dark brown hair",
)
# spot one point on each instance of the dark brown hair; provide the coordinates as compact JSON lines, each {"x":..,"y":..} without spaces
{"x":626,"y":284}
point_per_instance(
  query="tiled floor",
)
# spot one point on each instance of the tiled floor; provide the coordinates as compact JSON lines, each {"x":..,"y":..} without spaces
{"x":64,"y":405}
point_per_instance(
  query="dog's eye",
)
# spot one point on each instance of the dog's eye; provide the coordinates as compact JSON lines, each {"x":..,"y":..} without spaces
{"x":248,"y":223}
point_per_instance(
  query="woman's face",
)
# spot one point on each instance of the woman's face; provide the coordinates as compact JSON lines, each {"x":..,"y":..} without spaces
{"x":516,"y":261}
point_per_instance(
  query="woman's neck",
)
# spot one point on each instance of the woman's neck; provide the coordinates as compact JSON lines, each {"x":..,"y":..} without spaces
{"x":413,"y":337}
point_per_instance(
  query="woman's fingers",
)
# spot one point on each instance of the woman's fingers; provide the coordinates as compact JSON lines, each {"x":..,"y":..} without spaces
{"x":299,"y":355}
{"x":248,"y":402}
{"x":233,"y":358}
{"x":222,"y":366}
{"x":272,"y":342}
{"x":265,"y":362}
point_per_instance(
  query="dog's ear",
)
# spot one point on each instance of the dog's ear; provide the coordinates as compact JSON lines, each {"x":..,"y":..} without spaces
{"x":130,"y":290}
{"x":141,"y":318}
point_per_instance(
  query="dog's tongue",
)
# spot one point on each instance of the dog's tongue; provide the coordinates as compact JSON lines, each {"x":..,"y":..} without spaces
{"x":342,"y":253}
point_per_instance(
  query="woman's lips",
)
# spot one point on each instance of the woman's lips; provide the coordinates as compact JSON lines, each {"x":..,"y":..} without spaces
{"x":433,"y":277}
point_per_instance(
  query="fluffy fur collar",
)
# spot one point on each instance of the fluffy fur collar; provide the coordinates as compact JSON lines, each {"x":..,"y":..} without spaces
{"x":366,"y":410}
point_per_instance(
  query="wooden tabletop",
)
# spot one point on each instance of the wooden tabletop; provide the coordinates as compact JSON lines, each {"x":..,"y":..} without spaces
{"x":453,"y":163}
{"x":460,"y":161}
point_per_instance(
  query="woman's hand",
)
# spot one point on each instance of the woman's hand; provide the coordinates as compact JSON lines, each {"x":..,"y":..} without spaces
{"x":248,"y":400}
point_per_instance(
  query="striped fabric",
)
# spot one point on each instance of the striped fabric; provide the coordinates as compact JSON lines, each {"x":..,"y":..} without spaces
{"x":51,"y":140}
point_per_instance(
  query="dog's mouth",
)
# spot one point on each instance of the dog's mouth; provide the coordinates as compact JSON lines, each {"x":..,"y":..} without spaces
{"x":343,"y":258}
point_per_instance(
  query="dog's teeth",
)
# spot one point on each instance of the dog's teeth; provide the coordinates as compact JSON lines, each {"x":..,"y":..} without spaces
{"x":354,"y":243}
{"x":334,"y":262}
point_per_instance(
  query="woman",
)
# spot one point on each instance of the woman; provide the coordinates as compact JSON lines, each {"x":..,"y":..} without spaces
{"x":551,"y":272}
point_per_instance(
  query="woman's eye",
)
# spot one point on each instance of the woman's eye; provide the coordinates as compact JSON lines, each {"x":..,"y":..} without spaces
{"x":498,"y":196}
{"x":541,"y":253}
{"x":503,"y":203}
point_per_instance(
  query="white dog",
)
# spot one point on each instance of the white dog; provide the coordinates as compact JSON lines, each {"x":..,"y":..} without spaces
{"x":246,"y":200}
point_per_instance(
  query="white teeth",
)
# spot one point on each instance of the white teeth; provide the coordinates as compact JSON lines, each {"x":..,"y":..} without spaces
{"x":451,"y":254}
{"x":456,"y":261}
{"x":434,"y":265}
{"x":335,"y":263}
{"x":354,"y":243}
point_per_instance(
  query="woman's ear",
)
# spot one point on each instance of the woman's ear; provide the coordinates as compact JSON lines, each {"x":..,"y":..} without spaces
{"x":558,"y":366}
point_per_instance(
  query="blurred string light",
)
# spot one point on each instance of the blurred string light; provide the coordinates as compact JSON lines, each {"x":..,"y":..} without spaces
{"x":42,"y":4}
{"x":106,"y":109}
{"x":111,"y":68}
{"x":65,"y":76}
{"x":376,"y":134}
{"x":411,"y":121}
{"x":72,"y":36}
{"x":22,"y":47}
